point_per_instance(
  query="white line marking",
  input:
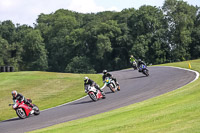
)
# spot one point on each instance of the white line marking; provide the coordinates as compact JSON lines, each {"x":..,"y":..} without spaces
{"x":197,"y":73}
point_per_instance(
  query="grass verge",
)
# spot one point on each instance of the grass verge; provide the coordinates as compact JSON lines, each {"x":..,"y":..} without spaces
{"x":46,"y":89}
{"x":175,"y":112}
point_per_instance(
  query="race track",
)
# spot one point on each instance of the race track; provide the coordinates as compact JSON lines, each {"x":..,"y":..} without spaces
{"x":135,"y":87}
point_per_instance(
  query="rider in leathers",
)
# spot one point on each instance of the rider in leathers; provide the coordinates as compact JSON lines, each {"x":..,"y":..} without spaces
{"x":106,"y":74}
{"x":90,"y":82}
{"x":140,"y":62}
{"x":132,"y":60}
{"x":20,"y":98}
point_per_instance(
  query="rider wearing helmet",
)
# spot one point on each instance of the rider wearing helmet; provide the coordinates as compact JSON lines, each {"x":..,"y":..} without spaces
{"x":90,"y":82}
{"x":106,"y":74}
{"x":132,"y":60}
{"x":140,"y":62}
{"x":20,"y":98}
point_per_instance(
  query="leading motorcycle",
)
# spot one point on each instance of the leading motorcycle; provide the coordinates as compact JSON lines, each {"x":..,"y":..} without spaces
{"x":94,"y":93}
{"x":111,"y":84}
{"x":23,"y":110}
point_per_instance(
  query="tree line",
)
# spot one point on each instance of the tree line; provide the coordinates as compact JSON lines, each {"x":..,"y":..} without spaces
{"x":67,"y":41}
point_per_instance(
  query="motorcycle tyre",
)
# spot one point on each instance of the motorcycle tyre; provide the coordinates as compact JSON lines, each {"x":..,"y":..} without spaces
{"x":19,"y":114}
{"x":36,"y":112}
{"x":93,"y":97}
{"x":145,"y":72}
{"x":112,"y":89}
{"x":118,"y":88}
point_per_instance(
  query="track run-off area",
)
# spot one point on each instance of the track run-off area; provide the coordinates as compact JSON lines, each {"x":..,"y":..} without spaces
{"x":135,"y":87}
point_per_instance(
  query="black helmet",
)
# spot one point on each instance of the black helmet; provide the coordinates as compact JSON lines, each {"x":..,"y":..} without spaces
{"x":104,"y":71}
{"x":139,"y":60}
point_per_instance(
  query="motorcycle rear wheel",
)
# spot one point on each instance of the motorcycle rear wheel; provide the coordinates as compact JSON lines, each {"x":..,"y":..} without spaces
{"x":21,"y":113}
{"x":118,"y":88}
{"x":36,"y":110}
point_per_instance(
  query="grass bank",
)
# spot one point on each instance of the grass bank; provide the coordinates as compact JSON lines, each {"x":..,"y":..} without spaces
{"x":175,"y":112}
{"x":46,"y":89}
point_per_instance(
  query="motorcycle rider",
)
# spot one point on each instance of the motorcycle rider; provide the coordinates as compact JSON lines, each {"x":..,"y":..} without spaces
{"x":132,"y":60}
{"x":20,"y":98}
{"x":90,"y":82}
{"x":106,"y":74}
{"x":140,"y":62}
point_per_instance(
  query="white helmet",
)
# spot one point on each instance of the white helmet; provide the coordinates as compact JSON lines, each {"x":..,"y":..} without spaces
{"x":86,"y":79}
{"x":104,"y":71}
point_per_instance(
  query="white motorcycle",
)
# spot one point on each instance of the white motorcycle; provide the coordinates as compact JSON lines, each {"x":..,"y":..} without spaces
{"x":94,"y":93}
{"x":111,"y":84}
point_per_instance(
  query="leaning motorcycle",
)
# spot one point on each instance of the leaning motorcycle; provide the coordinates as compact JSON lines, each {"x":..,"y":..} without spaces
{"x":23,"y":110}
{"x":144,"y":70}
{"x":111,"y":84}
{"x":94,"y":93}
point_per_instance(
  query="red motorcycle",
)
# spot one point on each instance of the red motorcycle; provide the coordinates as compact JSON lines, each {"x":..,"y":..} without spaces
{"x":23,"y":110}
{"x":94,"y":93}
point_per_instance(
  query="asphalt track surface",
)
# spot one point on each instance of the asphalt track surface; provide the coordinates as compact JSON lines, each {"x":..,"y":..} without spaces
{"x":135,"y":87}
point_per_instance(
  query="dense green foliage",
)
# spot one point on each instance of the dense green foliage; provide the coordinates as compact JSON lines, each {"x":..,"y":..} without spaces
{"x":66,"y":41}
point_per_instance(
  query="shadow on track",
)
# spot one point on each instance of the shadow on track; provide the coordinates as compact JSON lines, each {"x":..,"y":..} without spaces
{"x":83,"y":102}
{"x":138,"y":77}
{"x":14,"y":119}
{"x":127,"y":70}
{"x":135,"y":77}
{"x":109,"y":92}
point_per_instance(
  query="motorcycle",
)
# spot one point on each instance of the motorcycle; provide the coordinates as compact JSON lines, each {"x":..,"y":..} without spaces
{"x":23,"y":110}
{"x":111,"y":84}
{"x":134,"y":65}
{"x":94,"y":93}
{"x":144,"y":70}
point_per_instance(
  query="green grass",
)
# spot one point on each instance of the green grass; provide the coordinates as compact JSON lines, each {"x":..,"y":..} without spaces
{"x":175,"y":112}
{"x":46,"y":89}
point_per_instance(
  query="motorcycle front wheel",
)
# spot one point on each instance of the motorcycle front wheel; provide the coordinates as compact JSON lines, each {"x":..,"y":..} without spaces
{"x":93,"y":97}
{"x":21,"y":113}
{"x":146,"y":72}
{"x":112,"y":88}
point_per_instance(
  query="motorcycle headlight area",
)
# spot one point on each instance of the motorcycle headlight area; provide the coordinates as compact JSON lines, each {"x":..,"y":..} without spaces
{"x":15,"y":105}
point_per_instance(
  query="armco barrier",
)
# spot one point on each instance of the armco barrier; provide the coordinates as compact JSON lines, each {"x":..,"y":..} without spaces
{"x":6,"y":69}
{"x":3,"y":69}
{"x":11,"y":69}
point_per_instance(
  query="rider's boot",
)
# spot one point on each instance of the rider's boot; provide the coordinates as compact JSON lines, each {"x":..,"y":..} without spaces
{"x":102,"y":92}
